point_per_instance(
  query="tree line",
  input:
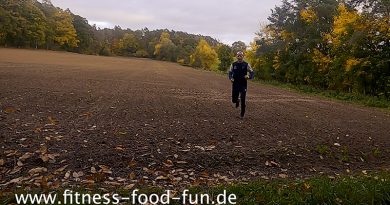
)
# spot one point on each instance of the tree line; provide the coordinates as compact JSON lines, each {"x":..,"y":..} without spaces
{"x":340,"y":45}
{"x":329,"y":44}
{"x":32,"y":24}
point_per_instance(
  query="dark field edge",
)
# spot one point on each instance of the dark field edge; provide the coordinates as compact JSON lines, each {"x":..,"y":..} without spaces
{"x":352,"y":98}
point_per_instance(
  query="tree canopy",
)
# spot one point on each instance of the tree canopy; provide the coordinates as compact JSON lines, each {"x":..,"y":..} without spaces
{"x":343,"y":46}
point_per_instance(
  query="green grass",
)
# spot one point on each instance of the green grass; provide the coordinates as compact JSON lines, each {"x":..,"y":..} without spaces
{"x":318,"y":190}
{"x":355,"y":98}
{"x":359,"y":189}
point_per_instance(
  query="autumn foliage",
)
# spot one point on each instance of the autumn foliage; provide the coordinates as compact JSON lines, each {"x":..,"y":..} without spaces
{"x":328,"y":45}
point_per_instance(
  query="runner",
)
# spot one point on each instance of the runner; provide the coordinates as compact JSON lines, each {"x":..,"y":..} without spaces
{"x":238,"y":75}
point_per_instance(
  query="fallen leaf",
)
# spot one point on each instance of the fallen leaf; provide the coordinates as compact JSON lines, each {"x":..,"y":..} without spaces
{"x":37,"y":170}
{"x":105,"y":169}
{"x":168,"y":163}
{"x":16,"y":180}
{"x":9,"y":110}
{"x":11,"y":153}
{"x":209,"y":148}
{"x":177,"y":179}
{"x":271,"y":163}
{"x":93,"y":170}
{"x":1,"y":162}
{"x":52,"y":120}
{"x":204,"y":174}
{"x":364,"y":172}
{"x":42,"y":149}
{"x":67,"y":175}
{"x":87,"y":114}
{"x":337,"y":144}
{"x":132,"y":176}
{"x":283,"y":176}
{"x":133,"y":163}
{"x":44,"y":157}
{"x":118,"y":148}
{"x":128,"y":187}
{"x":306,"y":186}
{"x":38,"y":130}
{"x":88,"y":181}
{"x":199,"y":147}
{"x":15,"y":170}
{"x":26,"y":156}
{"x":19,"y":163}
{"x":119,"y":179}
{"x":161,"y":178}
{"x":77,"y":174}
{"x":58,"y":171}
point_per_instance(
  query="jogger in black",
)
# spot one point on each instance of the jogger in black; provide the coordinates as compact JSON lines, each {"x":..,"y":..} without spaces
{"x":238,"y":75}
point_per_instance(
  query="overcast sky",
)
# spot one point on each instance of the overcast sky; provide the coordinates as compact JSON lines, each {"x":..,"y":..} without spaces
{"x":225,"y":20}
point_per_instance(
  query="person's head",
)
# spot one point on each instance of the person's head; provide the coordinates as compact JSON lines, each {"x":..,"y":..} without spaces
{"x":240,"y":56}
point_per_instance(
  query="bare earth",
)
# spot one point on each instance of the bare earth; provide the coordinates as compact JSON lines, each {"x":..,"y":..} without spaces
{"x":119,"y":121}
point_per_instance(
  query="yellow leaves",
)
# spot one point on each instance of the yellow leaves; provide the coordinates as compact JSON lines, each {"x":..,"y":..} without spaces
{"x":276,"y":62}
{"x":65,"y":33}
{"x":321,"y":60}
{"x":308,"y":15}
{"x":204,"y":55}
{"x":164,"y":40}
{"x":350,"y":63}
{"x":286,"y":35}
{"x":343,"y":23}
{"x":344,"y":19}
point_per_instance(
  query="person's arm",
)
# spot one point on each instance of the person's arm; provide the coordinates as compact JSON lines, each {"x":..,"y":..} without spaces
{"x":251,"y":72}
{"x":231,"y":73}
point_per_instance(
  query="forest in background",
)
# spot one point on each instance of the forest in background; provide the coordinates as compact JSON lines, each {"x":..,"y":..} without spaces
{"x":328,"y":44}
{"x":32,"y":24}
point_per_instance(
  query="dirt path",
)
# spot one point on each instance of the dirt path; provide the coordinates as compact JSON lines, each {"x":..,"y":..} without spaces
{"x":151,"y":119}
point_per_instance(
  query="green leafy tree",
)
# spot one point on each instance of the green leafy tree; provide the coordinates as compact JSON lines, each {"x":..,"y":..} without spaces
{"x":85,"y":34}
{"x":128,"y":45}
{"x":165,"y":49}
{"x":238,"y":46}
{"x":225,"y":56}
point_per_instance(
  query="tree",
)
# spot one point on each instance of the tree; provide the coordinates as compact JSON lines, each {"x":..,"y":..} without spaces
{"x":225,"y":56}
{"x":238,"y":46}
{"x":128,"y":45}
{"x":165,"y":49}
{"x":65,"y":34}
{"x":204,"y":56}
{"x":85,"y":34}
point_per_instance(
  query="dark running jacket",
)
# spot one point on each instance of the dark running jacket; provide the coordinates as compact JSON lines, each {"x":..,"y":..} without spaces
{"x":238,"y":71}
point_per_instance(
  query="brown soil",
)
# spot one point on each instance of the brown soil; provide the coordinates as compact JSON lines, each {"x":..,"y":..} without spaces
{"x":155,"y":119}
